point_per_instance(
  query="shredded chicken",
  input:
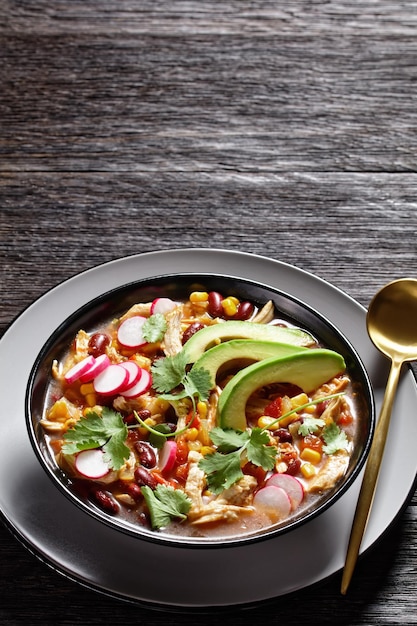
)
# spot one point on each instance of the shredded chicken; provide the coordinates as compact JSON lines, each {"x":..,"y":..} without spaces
{"x":143,"y":309}
{"x":265,"y":315}
{"x":156,"y":406}
{"x":333,"y":469}
{"x":195,"y":484}
{"x":227,"y":507}
{"x":172,"y":343}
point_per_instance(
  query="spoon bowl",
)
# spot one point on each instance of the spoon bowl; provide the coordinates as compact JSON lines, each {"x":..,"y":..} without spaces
{"x":392,"y":320}
{"x":392,"y":327}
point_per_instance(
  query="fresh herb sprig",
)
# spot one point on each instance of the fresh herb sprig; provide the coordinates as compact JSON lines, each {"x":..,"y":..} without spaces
{"x":223,"y":468}
{"x":165,"y":504}
{"x":154,"y":328}
{"x":107,"y":431}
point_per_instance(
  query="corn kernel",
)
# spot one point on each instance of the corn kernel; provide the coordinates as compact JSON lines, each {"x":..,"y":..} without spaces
{"x":283,"y":423}
{"x":310,"y":455}
{"x":204,"y":433}
{"x":308,"y":470}
{"x":299,"y":400}
{"x":191,"y":434}
{"x":202,"y":409}
{"x":199,"y":296}
{"x":206,"y":450}
{"x":234,"y":299}
{"x":229,"y":306}
{"x":265,"y":422}
{"x":310,"y":409}
{"x":87,"y":388}
{"x":91,"y":399}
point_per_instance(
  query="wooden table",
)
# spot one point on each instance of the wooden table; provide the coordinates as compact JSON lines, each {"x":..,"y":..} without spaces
{"x":281,"y":129}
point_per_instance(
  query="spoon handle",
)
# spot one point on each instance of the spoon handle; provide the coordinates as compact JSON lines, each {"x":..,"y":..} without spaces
{"x":370,"y":478}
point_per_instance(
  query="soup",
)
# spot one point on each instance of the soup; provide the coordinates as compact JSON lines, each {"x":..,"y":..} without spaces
{"x":206,"y":416}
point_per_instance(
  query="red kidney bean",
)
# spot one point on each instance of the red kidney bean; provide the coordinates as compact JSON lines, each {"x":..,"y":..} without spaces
{"x":215,"y":304}
{"x":97,"y":344}
{"x":134,"y":491}
{"x":283,"y":434}
{"x":146,"y":454}
{"x":105,"y":501}
{"x":144,"y":478}
{"x":244,"y":311}
{"x":293,"y":467}
{"x":190,"y":331}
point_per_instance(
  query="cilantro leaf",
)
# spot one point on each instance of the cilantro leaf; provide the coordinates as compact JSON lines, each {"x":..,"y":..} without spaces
{"x":107,"y":431}
{"x":154,"y":328}
{"x":310,"y":425}
{"x":198,"y":382}
{"x":335,"y":439}
{"x":168,"y":373}
{"x":223,"y":467}
{"x":164,"y":504}
{"x":222,"y":470}
{"x":228,"y":439}
{"x":259,"y":451}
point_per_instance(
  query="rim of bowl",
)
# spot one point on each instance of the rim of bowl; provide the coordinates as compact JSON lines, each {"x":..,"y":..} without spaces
{"x":297,"y":313}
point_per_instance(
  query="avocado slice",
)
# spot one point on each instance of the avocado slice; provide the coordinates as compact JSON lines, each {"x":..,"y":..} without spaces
{"x":209,"y":335}
{"x":246,"y":349}
{"x":307,"y":369}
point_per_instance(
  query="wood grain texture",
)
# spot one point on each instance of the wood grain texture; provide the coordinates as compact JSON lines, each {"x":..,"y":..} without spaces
{"x":285,"y":129}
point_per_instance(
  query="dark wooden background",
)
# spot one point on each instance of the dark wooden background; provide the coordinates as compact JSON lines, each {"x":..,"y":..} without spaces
{"x":286,"y":129}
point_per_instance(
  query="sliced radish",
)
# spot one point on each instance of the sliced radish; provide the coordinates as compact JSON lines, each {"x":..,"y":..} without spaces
{"x":91,"y":464}
{"x":274,"y":501}
{"x":99,"y":365}
{"x":134,"y":372}
{"x":162,"y":305}
{"x":167,"y":456}
{"x":144,"y":384}
{"x":111,"y":380}
{"x":79,"y":369}
{"x":291,"y":485}
{"x":129,"y":333}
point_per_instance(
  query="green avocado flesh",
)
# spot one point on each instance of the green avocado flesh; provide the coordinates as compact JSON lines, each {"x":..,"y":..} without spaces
{"x":307,"y":369}
{"x":248,"y":350}
{"x":206,"y":337}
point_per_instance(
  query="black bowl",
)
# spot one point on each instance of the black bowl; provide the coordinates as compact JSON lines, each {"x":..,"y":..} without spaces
{"x":114,"y":303}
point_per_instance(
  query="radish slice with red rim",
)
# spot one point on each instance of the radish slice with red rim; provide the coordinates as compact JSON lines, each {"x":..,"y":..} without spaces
{"x":162,"y":305}
{"x":167,"y":456}
{"x":291,"y":485}
{"x":144,"y":384}
{"x":274,"y":501}
{"x":111,"y":380}
{"x":134,"y":372}
{"x":99,"y":365}
{"x":129,"y":333}
{"x":79,"y":369}
{"x":91,"y":464}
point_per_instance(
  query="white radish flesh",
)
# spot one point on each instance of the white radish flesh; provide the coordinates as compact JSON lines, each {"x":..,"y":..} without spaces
{"x":79,"y":369}
{"x":91,"y":464}
{"x":273,"y":501}
{"x":99,"y":365}
{"x":162,"y":305}
{"x":111,"y":380}
{"x":167,"y":456}
{"x":134,"y":372}
{"x":129,"y":333}
{"x":291,"y":486}
{"x":144,"y":384}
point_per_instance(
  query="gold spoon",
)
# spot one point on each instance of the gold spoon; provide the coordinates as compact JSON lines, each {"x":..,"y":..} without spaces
{"x":392,"y":326}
